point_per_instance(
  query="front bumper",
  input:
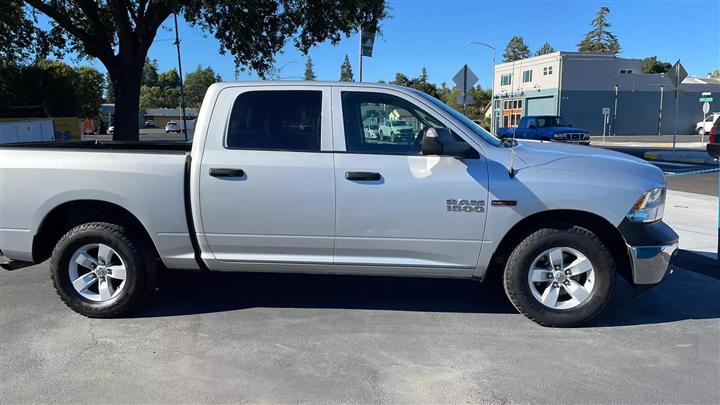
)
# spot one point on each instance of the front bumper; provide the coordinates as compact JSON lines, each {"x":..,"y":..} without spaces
{"x":651,"y":248}
{"x":651,"y":264}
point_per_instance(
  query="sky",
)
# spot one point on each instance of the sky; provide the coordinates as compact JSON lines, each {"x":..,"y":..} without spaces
{"x":435,"y":34}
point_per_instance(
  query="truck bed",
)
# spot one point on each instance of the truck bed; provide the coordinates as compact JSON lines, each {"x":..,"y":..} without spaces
{"x":149,"y":146}
{"x":145,"y":178}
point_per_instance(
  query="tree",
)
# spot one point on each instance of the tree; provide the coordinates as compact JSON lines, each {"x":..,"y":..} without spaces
{"x":61,"y":89}
{"x":400,"y":79}
{"x":653,"y":65}
{"x":119,"y":33}
{"x":346,"y":73}
{"x":544,"y":49}
{"x":715,"y":74}
{"x":89,"y":85}
{"x":599,"y":39}
{"x":150,"y":73}
{"x":109,"y":90}
{"x":309,"y":71}
{"x":197,"y":83}
{"x":516,"y":49}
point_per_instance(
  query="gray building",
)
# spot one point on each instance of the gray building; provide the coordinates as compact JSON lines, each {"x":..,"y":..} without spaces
{"x":578,"y":86}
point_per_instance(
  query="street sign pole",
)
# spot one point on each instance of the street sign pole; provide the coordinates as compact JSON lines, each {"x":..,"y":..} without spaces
{"x":677,"y":74}
{"x":465,"y":79}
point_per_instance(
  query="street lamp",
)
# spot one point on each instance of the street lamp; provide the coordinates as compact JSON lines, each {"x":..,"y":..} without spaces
{"x":278,"y":71}
{"x":492,"y":85}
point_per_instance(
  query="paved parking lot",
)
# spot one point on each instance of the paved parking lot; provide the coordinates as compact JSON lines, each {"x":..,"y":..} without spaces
{"x":324,"y":339}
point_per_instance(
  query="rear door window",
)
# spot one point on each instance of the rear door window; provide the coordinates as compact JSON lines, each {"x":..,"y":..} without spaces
{"x":276,"y":120}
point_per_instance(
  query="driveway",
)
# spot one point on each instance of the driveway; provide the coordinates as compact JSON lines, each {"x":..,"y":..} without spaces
{"x":330,"y":339}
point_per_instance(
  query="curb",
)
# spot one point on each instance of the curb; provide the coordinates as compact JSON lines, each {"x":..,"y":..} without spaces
{"x":696,"y":157}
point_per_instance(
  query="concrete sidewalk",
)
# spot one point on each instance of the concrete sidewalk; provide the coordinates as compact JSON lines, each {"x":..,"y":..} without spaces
{"x":694,"y":218}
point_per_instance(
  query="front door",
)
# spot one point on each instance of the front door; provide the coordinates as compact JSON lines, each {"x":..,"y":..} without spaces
{"x":266,"y":178}
{"x":396,"y":207}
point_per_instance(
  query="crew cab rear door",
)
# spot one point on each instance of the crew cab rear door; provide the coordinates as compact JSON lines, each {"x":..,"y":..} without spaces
{"x":266,"y":182}
{"x":396,"y":207}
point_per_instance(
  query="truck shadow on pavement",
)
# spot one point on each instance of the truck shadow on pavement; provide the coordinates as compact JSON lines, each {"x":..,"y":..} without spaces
{"x":684,"y":295}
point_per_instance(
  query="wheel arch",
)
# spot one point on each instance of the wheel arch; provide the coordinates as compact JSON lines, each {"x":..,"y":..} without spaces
{"x":70,"y":214}
{"x":598,"y":225}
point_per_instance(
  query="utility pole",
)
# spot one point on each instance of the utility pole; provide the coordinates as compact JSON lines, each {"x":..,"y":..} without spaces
{"x":182,"y":89}
{"x":360,"y":55}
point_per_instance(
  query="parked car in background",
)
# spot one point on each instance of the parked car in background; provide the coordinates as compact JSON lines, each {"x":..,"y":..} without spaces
{"x":704,"y":127}
{"x":546,"y":128}
{"x":371,"y":131}
{"x":715,"y":131}
{"x":150,"y":124}
{"x":276,"y":182}
{"x":172,"y":126}
{"x":396,"y":129}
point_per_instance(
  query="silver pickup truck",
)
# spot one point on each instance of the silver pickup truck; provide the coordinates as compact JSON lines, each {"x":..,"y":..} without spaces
{"x":281,"y":177}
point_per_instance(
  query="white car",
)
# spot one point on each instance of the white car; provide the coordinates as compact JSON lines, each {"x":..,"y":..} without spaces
{"x":703,"y":127}
{"x":172,"y":126}
{"x":396,"y":129}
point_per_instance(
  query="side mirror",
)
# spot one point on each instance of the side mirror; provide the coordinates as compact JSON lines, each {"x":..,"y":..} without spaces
{"x":439,"y":141}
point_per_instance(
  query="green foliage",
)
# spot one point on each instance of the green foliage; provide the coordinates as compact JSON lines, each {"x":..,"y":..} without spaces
{"x":61,"y":89}
{"x":88,"y":87}
{"x":544,"y":49}
{"x":516,"y":49}
{"x":653,"y":65}
{"x":346,"y":73}
{"x":715,"y":74}
{"x":599,"y":39}
{"x":159,"y":90}
{"x":196,"y":84}
{"x":120,"y":32}
{"x":150,"y":73}
{"x":20,"y":39}
{"x":309,"y":71}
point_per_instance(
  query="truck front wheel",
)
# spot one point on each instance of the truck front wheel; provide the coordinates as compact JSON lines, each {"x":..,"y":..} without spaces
{"x":560,"y":276}
{"x":100,"y":270}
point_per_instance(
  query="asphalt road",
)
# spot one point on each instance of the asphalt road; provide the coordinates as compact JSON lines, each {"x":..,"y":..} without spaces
{"x":332,"y":339}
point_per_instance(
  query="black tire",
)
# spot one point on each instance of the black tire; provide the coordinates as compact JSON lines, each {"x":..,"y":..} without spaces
{"x":700,"y":131}
{"x":518,"y":265}
{"x":138,"y":259}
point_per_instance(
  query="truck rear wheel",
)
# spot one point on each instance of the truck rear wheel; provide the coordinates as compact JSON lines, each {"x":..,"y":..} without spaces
{"x":560,"y":277}
{"x":99,"y":270}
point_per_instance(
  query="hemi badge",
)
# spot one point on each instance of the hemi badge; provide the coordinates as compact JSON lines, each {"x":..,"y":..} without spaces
{"x":506,"y":203}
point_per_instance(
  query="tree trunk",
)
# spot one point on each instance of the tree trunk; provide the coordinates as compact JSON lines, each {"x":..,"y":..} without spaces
{"x":126,"y":79}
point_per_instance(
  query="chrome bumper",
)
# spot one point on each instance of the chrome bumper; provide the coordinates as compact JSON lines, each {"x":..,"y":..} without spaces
{"x":650,"y":264}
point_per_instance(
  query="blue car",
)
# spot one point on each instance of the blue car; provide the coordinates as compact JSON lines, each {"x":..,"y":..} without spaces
{"x":546,"y":128}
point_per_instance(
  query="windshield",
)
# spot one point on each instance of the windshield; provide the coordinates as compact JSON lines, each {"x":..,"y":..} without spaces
{"x":399,"y":123}
{"x":474,"y":128}
{"x":545,"y":122}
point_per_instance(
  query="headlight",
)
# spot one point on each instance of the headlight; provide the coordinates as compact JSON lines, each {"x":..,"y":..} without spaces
{"x":649,"y":207}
